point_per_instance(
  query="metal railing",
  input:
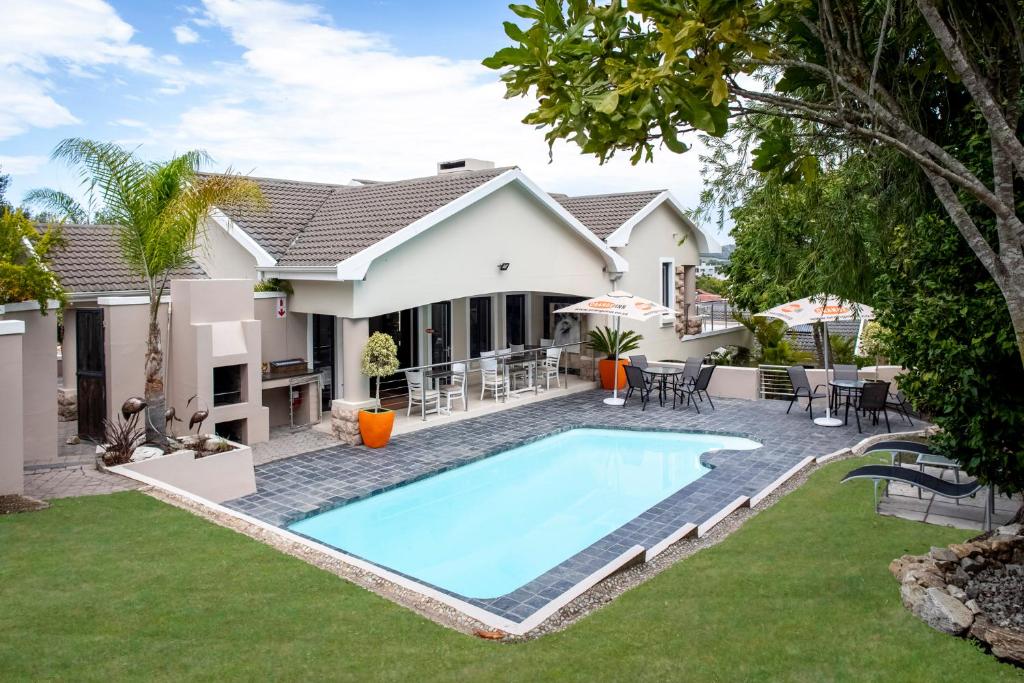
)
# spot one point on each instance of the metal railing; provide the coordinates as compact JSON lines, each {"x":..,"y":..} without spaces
{"x":773,"y":381}
{"x":716,"y":315}
{"x":394,"y":390}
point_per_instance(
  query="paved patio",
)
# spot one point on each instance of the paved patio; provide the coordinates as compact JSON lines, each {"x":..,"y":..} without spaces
{"x":907,"y":502}
{"x":294,"y":488}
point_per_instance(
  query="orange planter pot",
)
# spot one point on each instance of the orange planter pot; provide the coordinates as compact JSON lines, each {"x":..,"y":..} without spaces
{"x":375,"y":428}
{"x":610,"y":372}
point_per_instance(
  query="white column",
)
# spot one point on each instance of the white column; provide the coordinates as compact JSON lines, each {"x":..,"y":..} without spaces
{"x":354,"y":334}
{"x":12,"y":454}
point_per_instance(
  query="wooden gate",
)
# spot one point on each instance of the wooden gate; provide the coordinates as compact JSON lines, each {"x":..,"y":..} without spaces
{"x":90,"y":373}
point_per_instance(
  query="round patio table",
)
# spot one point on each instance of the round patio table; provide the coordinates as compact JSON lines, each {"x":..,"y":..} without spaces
{"x":661,"y":373}
{"x":847,"y":388}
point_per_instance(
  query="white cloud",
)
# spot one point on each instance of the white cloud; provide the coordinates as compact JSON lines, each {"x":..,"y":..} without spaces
{"x":129,"y":123}
{"x":21,"y":165}
{"x":43,"y":40}
{"x":185,"y":34}
{"x":310,"y":100}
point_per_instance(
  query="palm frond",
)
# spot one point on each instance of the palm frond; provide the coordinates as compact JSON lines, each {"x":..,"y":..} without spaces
{"x":60,"y":204}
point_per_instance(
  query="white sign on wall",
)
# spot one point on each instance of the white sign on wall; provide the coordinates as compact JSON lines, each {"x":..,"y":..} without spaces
{"x":281,"y":307}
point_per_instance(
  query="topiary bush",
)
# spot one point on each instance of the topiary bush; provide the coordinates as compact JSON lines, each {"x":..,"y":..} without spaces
{"x":380,"y":359}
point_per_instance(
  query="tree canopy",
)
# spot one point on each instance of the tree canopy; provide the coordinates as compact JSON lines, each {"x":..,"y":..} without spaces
{"x":25,"y":273}
{"x":627,"y":77}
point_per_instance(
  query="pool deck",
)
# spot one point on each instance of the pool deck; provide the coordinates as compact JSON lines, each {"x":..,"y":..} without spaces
{"x":298,"y":487}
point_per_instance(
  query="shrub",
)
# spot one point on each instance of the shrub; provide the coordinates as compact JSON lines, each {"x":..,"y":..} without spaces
{"x":607,"y":341}
{"x":380,"y":359}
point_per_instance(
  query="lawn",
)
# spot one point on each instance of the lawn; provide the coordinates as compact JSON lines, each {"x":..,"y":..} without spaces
{"x":123,"y":586}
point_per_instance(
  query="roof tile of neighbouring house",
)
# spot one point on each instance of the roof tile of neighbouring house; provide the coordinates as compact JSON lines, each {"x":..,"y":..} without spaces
{"x":91,"y":261}
{"x":311,"y":224}
{"x":605,"y":213}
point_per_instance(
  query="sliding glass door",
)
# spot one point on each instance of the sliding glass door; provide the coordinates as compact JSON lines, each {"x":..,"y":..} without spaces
{"x":515,"y":319}
{"x":479,"y":325}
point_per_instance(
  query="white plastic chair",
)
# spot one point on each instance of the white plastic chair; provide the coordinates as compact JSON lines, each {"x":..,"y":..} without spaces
{"x":546,"y":342}
{"x":420,"y":396}
{"x":548,"y":368}
{"x":456,"y":391}
{"x":492,"y":380}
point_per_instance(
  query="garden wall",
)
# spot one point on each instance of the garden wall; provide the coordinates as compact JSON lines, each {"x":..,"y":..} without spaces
{"x":39,"y":379}
{"x":12,"y":480}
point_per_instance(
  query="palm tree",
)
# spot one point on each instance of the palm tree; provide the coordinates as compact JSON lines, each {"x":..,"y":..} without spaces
{"x":157,"y":209}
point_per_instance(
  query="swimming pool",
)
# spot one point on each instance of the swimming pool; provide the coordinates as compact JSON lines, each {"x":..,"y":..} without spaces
{"x":487,"y":528}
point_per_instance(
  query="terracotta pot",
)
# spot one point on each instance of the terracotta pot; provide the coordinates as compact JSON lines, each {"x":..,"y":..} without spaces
{"x":375,"y":428}
{"x":608,"y":370}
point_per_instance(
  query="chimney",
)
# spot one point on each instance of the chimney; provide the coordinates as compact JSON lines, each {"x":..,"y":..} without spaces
{"x":457,"y":165}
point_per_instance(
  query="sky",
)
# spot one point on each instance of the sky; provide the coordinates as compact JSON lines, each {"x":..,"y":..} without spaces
{"x":321,"y":91}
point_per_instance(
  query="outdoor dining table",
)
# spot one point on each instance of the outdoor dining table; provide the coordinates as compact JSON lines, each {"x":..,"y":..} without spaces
{"x":523,"y":360}
{"x":847,"y":388}
{"x":661,"y":373}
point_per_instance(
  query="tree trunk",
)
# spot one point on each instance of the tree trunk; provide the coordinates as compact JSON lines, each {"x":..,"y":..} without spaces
{"x":155,"y":417}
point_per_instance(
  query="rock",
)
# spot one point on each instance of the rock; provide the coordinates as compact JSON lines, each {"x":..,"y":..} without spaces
{"x":973,"y":565}
{"x":912,"y":596}
{"x":216,"y":444}
{"x":956,"y":592}
{"x":965,"y":549}
{"x":146,"y":453}
{"x":67,"y":404}
{"x":1006,"y":643}
{"x":73,"y":441}
{"x":926,"y":577}
{"x":973,"y":606}
{"x":943,"y":612}
{"x":191,"y":441}
{"x":1010,"y":530}
{"x":900,"y":566}
{"x":943,"y":555}
{"x":959,"y":577}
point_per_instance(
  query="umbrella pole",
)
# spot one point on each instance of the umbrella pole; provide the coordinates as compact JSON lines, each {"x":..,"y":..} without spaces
{"x":828,"y":420}
{"x":615,"y":400}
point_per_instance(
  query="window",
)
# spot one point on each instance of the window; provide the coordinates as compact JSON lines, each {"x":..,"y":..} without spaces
{"x":667,"y":284}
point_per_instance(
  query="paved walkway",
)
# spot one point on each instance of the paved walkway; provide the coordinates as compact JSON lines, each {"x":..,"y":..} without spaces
{"x":295,"y":488}
{"x":905,"y":502}
{"x":79,"y":480}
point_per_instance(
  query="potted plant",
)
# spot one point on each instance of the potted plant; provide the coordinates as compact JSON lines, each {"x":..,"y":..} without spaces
{"x":380,"y":359}
{"x":609,"y":342}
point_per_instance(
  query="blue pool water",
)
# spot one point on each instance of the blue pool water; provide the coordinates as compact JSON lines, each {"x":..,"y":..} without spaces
{"x":487,"y":528}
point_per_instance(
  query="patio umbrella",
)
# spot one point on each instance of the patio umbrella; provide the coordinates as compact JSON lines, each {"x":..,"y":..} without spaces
{"x":619,"y":305}
{"x":823,"y":308}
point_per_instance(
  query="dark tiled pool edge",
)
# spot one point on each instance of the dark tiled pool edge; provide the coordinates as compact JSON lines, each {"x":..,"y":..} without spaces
{"x":736,"y":478}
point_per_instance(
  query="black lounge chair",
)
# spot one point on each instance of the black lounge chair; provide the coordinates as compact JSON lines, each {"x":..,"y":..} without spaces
{"x":923,"y":481}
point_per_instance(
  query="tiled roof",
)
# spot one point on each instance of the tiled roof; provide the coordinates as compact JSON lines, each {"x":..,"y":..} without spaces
{"x":289,"y":207}
{"x":91,"y":262}
{"x":605,"y":213}
{"x":311,"y":224}
{"x":802,"y":336}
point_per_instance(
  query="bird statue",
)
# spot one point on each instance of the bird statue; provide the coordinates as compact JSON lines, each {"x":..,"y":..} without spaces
{"x":132,"y":406}
{"x":170,"y":416}
{"x":197,"y":419}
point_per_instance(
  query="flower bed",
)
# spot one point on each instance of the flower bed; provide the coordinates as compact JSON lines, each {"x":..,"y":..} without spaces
{"x":214,"y":476}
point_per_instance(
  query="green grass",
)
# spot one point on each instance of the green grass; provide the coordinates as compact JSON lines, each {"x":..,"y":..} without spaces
{"x":123,"y":586}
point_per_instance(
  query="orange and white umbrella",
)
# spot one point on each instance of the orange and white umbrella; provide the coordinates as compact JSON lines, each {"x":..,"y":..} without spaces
{"x":823,"y":308}
{"x":619,"y":305}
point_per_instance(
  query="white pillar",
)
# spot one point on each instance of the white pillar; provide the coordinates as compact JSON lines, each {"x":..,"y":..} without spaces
{"x":12,"y":454}
{"x":355,"y":332}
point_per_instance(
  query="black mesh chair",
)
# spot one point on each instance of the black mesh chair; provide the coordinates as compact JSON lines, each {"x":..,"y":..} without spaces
{"x":639,"y":361}
{"x":898,"y":402}
{"x":698,"y":388}
{"x":841,"y":371}
{"x":691,"y":368}
{"x":635,"y":381}
{"x":873,"y":399}
{"x":802,"y":389}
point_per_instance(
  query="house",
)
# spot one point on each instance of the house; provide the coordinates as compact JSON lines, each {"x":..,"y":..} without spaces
{"x":475,"y":257}
{"x":472,"y":258}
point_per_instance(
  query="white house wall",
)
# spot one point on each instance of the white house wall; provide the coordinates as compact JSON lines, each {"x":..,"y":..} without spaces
{"x":654,"y":239}
{"x":221,"y":256}
{"x":459,"y":257}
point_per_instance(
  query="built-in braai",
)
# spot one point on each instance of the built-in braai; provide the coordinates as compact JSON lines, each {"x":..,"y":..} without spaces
{"x":227,"y":384}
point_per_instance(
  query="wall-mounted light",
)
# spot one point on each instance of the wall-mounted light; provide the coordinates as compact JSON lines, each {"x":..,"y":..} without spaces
{"x":503,"y":267}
